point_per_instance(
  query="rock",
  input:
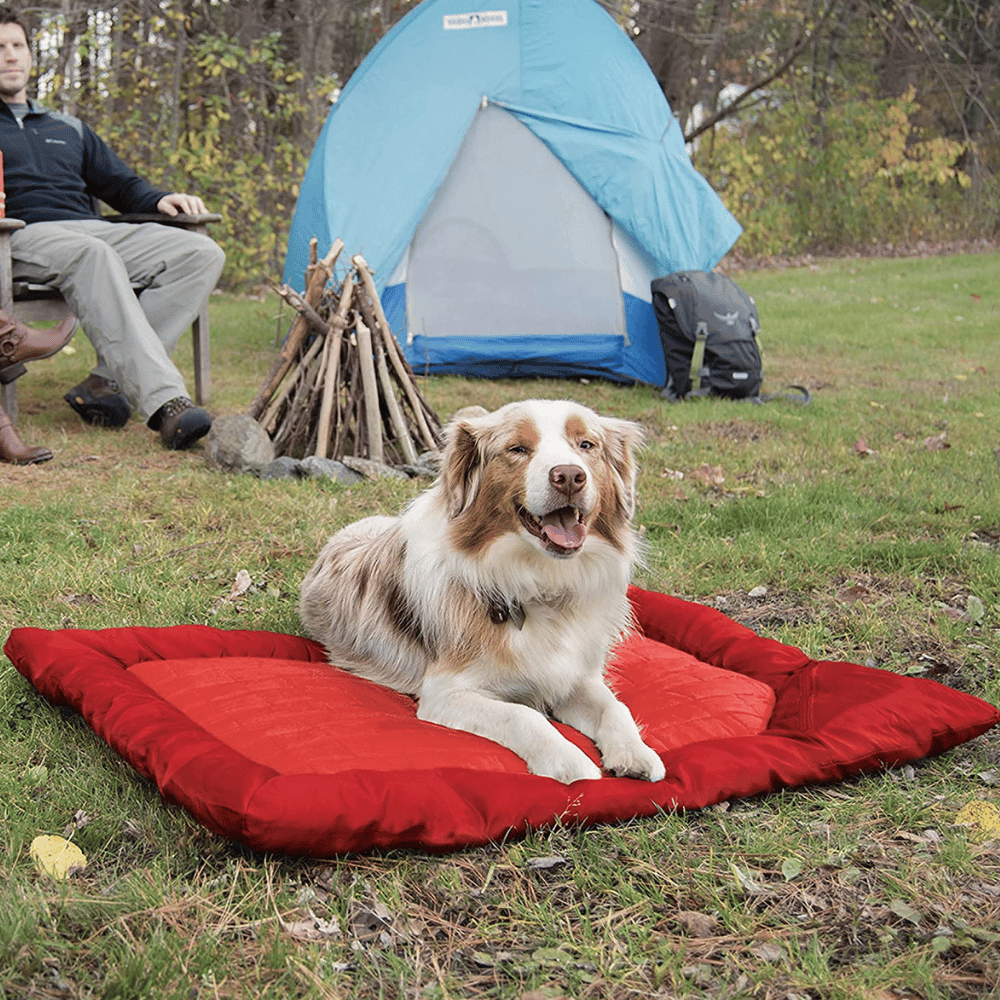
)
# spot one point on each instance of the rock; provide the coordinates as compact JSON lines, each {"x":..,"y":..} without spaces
{"x":372,"y":470}
{"x":237,"y":444}
{"x":282,"y":468}
{"x":418,"y":471}
{"x":331,"y":468}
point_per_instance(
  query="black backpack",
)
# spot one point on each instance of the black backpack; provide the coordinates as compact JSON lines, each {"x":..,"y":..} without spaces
{"x":708,"y":327}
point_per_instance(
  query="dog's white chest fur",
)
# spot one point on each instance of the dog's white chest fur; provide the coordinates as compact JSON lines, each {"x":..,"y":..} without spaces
{"x":497,"y":595}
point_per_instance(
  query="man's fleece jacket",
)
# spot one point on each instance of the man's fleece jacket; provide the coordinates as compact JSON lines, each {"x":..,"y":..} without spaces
{"x":54,"y":165}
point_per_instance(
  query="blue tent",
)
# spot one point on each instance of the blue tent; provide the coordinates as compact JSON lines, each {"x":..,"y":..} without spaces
{"x":515,"y":178}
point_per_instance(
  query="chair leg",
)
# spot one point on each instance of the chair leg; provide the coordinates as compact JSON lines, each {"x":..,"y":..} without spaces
{"x":202,"y":358}
{"x":8,"y":400}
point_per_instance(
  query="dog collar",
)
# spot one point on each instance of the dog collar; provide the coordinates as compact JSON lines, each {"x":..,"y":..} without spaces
{"x":501,"y":611}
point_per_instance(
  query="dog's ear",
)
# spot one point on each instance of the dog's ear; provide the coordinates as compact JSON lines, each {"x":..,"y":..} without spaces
{"x":468,"y":412}
{"x":622,"y":438}
{"x":462,"y":463}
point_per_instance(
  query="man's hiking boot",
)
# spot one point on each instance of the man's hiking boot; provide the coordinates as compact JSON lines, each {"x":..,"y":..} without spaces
{"x":180,"y":423}
{"x":99,"y":401}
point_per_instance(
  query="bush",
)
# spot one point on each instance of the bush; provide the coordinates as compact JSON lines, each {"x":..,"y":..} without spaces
{"x":803,"y":178}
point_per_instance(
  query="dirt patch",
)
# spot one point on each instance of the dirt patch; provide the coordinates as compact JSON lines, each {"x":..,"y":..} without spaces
{"x":739,"y":431}
{"x":913,"y":632}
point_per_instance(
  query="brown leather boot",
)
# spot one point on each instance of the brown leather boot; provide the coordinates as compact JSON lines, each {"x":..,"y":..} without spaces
{"x":14,"y":450}
{"x":20,"y":343}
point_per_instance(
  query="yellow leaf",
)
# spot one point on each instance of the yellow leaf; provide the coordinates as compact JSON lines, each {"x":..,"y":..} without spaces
{"x":57,"y":857}
{"x":982,"y":818}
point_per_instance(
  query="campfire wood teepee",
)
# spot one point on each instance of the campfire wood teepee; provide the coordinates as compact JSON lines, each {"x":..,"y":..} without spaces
{"x":340,"y":385}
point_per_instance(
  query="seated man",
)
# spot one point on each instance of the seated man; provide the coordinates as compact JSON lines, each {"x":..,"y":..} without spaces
{"x":53,"y":165}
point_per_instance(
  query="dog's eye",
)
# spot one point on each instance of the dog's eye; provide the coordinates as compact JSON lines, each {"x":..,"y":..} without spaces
{"x":586,"y":445}
{"x":517,"y":449}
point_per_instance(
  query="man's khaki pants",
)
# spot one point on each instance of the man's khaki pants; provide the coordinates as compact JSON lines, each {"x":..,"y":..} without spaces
{"x":95,"y":265}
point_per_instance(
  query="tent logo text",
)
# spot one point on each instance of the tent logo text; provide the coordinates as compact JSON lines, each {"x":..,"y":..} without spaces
{"x":479,"y":19}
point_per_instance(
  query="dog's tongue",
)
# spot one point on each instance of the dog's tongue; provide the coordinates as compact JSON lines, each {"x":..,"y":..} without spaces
{"x":562,"y":528}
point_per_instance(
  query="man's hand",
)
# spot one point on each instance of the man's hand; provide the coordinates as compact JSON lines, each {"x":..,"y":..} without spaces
{"x":181,"y":204}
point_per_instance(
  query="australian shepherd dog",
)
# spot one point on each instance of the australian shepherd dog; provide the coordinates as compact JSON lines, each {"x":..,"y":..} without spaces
{"x":497,"y":596}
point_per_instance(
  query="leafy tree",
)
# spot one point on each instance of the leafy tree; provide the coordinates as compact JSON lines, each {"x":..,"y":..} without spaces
{"x":227,"y":97}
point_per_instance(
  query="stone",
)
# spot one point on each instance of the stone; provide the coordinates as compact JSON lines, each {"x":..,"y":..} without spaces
{"x":285,"y":467}
{"x":419,"y":471}
{"x":237,"y":443}
{"x":331,"y":468}
{"x":372,"y":470}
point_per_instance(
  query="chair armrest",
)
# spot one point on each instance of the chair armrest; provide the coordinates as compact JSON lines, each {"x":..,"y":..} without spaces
{"x":166,"y":220}
{"x":10,"y":225}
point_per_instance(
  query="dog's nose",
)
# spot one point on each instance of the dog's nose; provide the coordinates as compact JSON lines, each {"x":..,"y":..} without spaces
{"x":568,"y":479}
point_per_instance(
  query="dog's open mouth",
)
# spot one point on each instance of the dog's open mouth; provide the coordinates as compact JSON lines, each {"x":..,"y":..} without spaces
{"x":562,"y":530}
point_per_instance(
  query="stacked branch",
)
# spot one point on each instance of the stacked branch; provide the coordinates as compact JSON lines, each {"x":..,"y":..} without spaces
{"x":340,"y":385}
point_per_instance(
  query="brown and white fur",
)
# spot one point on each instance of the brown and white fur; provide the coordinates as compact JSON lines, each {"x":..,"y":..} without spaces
{"x":498,"y":594}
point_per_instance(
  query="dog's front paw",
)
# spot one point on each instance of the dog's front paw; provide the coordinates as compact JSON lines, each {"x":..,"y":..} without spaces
{"x":634,"y":760}
{"x":566,"y":764}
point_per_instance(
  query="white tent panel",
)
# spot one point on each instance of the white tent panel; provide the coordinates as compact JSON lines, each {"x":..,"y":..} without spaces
{"x":511,"y":245}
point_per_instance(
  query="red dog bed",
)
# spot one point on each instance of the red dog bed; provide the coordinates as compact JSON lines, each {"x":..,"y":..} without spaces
{"x":263,"y":742}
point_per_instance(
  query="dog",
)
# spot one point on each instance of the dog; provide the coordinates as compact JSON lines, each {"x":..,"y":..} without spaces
{"x":498,"y":594}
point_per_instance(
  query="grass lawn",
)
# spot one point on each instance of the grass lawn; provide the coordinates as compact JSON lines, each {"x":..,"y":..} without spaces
{"x":871,"y":519}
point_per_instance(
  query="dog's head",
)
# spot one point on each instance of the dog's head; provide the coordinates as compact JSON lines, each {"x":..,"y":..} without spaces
{"x":552,"y":471}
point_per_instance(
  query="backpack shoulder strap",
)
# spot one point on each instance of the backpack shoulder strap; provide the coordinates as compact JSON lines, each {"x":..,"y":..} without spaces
{"x":699,"y":371}
{"x":805,"y":398}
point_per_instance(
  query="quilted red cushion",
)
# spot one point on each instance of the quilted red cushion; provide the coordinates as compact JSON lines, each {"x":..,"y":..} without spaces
{"x":310,"y":718}
{"x":261,"y":741}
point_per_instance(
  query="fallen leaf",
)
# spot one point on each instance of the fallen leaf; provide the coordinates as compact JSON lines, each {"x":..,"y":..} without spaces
{"x":552,"y":956}
{"x":369,"y":922}
{"x":855,"y":593}
{"x":861,"y":448}
{"x":975,"y":611}
{"x":936,"y":442}
{"x":312,"y":928}
{"x":903,"y":909}
{"x":80,"y":820}
{"x":700,"y":973}
{"x":75,"y":600}
{"x":57,"y":857}
{"x":791,"y":868}
{"x":241,"y":585}
{"x":768,"y":952}
{"x":746,"y":880}
{"x":710,"y":475}
{"x":982,"y":818}
{"x":979,"y":933}
{"x":491,"y":961}
{"x":851,"y":876}
{"x":545,"y":863}
{"x":698,"y":925}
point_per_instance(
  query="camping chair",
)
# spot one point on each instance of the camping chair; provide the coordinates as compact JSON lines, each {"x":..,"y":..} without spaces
{"x":32,"y":303}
